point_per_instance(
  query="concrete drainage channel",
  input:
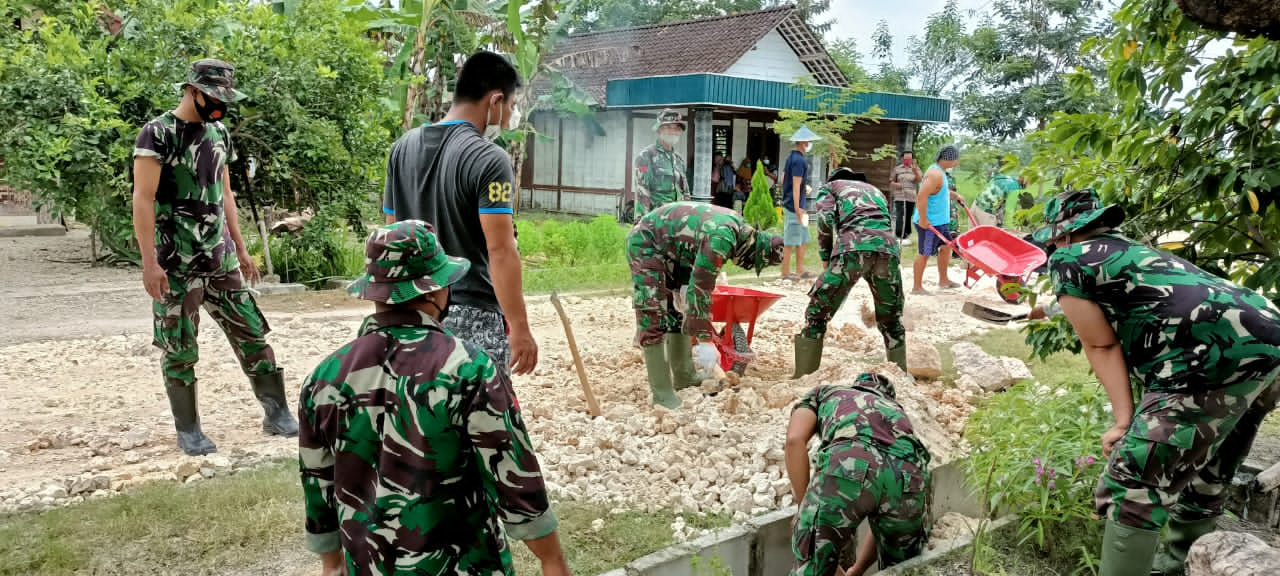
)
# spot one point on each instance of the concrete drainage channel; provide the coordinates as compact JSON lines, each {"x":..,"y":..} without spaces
{"x":762,"y":545}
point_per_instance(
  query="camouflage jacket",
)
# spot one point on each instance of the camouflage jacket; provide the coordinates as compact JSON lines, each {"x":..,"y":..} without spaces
{"x":412,"y":449}
{"x":994,"y":199}
{"x":1181,"y":329}
{"x":853,"y":217}
{"x":864,"y":414}
{"x":192,"y":238}
{"x":660,"y":178}
{"x":698,"y":238}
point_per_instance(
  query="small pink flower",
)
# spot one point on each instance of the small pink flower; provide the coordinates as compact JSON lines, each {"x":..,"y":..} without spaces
{"x":1037,"y":481}
{"x":1052,"y":485}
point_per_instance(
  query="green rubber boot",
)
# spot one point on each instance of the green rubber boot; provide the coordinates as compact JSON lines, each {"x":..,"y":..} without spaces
{"x":1171,"y":560}
{"x":808,"y":355}
{"x":277,"y":419}
{"x":680,"y":356}
{"x":186,"y":420}
{"x":1127,"y":551}
{"x":899,"y":356}
{"x":655,"y":363}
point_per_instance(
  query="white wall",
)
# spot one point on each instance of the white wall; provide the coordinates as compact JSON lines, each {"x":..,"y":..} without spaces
{"x":546,"y":151}
{"x":770,"y":59}
{"x":739,"y":140}
{"x":591,"y":161}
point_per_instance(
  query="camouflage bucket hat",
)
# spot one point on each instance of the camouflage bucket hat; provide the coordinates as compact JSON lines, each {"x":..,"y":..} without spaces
{"x":666,"y":117}
{"x":876,"y":383}
{"x":215,"y":78}
{"x":1076,"y":210}
{"x":404,"y":261}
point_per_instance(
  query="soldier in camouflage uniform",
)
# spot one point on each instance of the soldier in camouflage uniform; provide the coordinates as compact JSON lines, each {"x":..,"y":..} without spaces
{"x":413,"y":452}
{"x":681,"y":247}
{"x":855,"y":240}
{"x":1203,"y":352}
{"x":995,"y":199}
{"x":870,"y":465}
{"x":184,"y":216}
{"x":660,"y":176}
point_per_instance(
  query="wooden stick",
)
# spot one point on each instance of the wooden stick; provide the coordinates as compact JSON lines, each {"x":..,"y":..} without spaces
{"x":593,"y":407}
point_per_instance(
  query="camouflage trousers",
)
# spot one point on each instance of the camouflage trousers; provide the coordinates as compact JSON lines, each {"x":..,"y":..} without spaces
{"x":1182,"y":450}
{"x":832,"y":288}
{"x":224,"y":297}
{"x":655,"y":281}
{"x":484,"y":328}
{"x":850,"y":483}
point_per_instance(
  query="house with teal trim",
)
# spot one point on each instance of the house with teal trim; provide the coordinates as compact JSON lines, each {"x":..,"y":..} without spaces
{"x":729,"y":76}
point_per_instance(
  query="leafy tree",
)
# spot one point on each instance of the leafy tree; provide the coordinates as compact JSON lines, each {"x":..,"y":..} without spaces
{"x":811,"y":11}
{"x":758,"y":210}
{"x":887,"y":78}
{"x":832,"y":121}
{"x":941,"y":58}
{"x":1204,"y":161}
{"x":846,"y":56}
{"x":1022,"y":54}
{"x":76,"y":88}
{"x":592,"y":15}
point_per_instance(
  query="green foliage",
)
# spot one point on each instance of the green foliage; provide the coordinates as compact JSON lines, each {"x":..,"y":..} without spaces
{"x":554,"y":243}
{"x":74,"y":96}
{"x":714,"y":566}
{"x":325,"y":249}
{"x":1204,"y":161}
{"x":832,"y":120}
{"x":592,"y":15}
{"x":758,"y":211}
{"x":1037,"y":454}
{"x":1022,"y":54}
{"x":940,"y":59}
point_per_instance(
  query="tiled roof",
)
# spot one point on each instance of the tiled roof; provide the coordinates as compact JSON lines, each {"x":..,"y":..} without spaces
{"x":708,"y":45}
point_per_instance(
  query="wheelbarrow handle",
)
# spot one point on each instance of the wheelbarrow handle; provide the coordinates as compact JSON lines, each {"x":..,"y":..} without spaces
{"x":973,"y":222}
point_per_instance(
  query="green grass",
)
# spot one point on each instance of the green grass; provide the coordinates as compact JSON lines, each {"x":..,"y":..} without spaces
{"x":237,"y":522}
{"x":220,"y":522}
{"x":1004,"y":556}
{"x":1055,"y":371}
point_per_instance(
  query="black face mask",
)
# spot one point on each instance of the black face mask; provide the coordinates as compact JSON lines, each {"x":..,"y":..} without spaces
{"x":211,"y":110}
{"x":443,"y":312}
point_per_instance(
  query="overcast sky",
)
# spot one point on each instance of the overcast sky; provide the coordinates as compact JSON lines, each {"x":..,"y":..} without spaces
{"x":857,"y":19}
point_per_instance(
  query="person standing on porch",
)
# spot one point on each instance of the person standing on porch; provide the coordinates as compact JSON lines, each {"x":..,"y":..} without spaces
{"x":795,"y":204}
{"x":660,"y":170}
{"x":904,"y":186}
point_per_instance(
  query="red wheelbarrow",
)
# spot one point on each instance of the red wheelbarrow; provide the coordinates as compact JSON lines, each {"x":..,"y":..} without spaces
{"x":733,"y":306}
{"x":994,"y":251}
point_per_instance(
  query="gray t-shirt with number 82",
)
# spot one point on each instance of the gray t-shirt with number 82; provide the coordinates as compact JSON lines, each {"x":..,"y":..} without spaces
{"x":447,"y":174}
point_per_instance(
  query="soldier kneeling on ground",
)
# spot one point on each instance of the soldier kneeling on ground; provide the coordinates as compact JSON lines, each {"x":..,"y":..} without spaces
{"x":870,"y":465}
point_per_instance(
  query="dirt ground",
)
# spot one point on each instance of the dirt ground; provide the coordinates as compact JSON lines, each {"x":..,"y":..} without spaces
{"x":83,"y":393}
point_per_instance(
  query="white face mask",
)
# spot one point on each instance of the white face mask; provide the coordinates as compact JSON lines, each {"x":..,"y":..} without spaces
{"x":670,"y":139}
{"x":493,"y":130}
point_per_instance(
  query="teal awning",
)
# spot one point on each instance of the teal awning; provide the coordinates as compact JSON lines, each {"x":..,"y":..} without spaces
{"x":716,"y":90}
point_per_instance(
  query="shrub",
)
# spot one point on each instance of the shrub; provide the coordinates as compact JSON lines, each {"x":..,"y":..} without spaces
{"x":759,"y":211}
{"x":1037,"y":454}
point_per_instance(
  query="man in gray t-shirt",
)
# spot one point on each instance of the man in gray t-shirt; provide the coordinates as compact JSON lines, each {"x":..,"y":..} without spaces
{"x":451,"y":175}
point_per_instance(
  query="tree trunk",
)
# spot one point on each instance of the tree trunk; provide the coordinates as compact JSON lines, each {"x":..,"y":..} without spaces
{"x":1246,"y":17}
{"x":416,"y":64}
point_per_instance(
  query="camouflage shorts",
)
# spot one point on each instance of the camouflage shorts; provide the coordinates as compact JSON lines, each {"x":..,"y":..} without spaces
{"x":851,"y":483}
{"x":1182,"y":450}
{"x":833,"y":286}
{"x":176,"y":322}
{"x":484,"y":328}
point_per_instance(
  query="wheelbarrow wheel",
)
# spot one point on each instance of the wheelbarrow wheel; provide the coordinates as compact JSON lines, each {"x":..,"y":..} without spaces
{"x":1010,"y":288}
{"x":741,"y":356}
